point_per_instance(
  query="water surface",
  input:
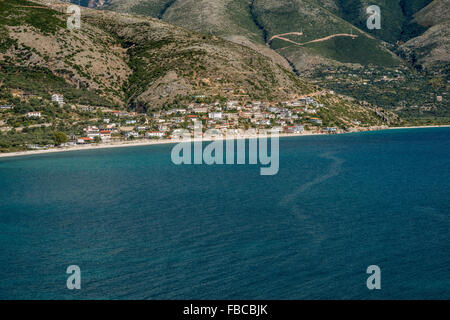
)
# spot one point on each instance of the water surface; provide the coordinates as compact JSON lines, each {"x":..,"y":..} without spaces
{"x":141,"y":227}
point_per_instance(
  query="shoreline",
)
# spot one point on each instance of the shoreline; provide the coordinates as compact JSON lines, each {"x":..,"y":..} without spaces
{"x":124,"y":144}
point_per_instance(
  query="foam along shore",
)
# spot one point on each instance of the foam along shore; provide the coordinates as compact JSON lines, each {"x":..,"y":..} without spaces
{"x":137,"y":143}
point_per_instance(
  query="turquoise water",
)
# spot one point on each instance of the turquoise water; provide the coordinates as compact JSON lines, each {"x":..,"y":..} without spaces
{"x":140,"y":227}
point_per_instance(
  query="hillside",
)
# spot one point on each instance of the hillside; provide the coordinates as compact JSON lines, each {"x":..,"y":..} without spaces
{"x":254,"y":22}
{"x":317,"y":37}
{"x":314,"y":32}
{"x":125,"y":76}
{"x":131,"y":60}
{"x":324,"y":38}
{"x":397,"y":17}
{"x":431,"y":50}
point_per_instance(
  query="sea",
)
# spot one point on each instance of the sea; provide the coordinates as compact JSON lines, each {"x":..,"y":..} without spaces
{"x":140,"y":227}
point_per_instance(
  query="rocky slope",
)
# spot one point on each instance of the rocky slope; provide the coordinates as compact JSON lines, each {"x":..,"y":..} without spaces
{"x":431,"y":50}
{"x":131,"y":60}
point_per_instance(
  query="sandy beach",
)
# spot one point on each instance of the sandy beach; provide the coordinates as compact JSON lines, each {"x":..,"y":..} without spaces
{"x":137,"y":143}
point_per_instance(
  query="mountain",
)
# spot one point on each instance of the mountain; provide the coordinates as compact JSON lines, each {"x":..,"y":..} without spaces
{"x":136,"y":62}
{"x":397,"y":17}
{"x":431,"y":50}
{"x":130,"y":60}
{"x":327,"y":40}
{"x":308,"y":34}
{"x":132,"y":69}
{"x":316,"y":32}
{"x":313,"y":33}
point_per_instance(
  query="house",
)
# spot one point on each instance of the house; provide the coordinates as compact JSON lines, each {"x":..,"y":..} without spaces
{"x":34,"y":114}
{"x":295,"y":129}
{"x":5,"y":107}
{"x":307,"y":100}
{"x":177,"y":120}
{"x":215,"y":115}
{"x":91,"y":129}
{"x":200,"y":110}
{"x":316,"y":120}
{"x":330,"y":130}
{"x":180,"y":111}
{"x":154,"y":134}
{"x":105,"y":135}
{"x":93,"y":134}
{"x":58,"y":98}
{"x":34,"y":147}
{"x":84,"y":140}
{"x":245,"y":115}
{"x":231,"y":105}
{"x":131,"y":134}
{"x":163,"y":127}
{"x":130,"y":122}
{"x":87,"y":108}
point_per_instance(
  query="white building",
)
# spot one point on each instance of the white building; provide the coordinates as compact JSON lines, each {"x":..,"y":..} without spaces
{"x":105,"y":135}
{"x":295,"y":129}
{"x":215,"y":115}
{"x":34,"y":114}
{"x":200,"y":109}
{"x":58,"y":98}
{"x":154,"y":134}
{"x":132,"y":134}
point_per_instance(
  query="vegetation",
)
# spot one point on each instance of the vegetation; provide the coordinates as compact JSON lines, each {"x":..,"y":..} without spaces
{"x":412,"y":95}
{"x":21,"y":12}
{"x":59,"y":138}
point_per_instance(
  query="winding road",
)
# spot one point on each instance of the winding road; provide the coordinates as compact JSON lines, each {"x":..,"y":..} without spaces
{"x":281,"y":37}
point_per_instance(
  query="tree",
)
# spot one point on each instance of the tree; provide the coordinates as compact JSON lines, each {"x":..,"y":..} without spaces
{"x":60,"y":138}
{"x":437,"y":83}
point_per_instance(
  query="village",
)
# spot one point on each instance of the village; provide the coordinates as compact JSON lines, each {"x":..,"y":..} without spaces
{"x":101,"y":125}
{"x":290,"y":117}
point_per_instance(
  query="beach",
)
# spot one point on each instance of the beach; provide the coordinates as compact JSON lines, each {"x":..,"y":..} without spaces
{"x":136,"y":143}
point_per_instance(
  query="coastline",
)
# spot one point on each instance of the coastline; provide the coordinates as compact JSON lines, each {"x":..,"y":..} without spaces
{"x":123,"y":144}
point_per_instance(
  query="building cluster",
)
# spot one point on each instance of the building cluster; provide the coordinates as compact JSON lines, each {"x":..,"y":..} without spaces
{"x":219,"y":119}
{"x":291,"y":117}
